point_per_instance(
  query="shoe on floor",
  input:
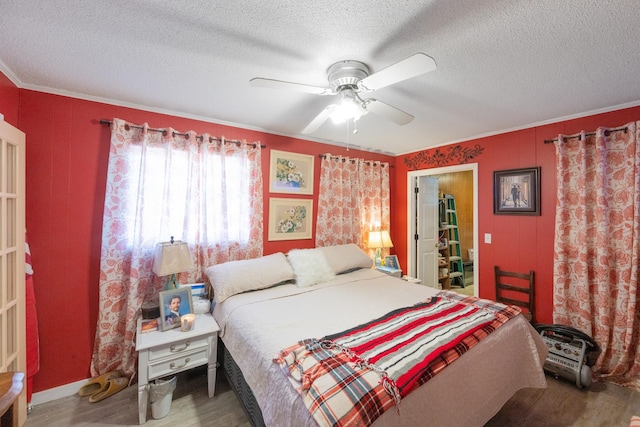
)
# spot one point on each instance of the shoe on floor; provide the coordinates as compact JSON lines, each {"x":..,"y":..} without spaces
{"x":98,"y":384}
{"x":114,"y":385}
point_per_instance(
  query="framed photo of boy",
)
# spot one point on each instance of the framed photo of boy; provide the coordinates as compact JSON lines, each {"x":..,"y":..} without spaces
{"x":174,"y":304}
{"x":516,"y":191}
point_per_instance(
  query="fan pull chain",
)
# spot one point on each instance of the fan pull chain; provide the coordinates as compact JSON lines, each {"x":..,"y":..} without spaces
{"x":348,"y":135}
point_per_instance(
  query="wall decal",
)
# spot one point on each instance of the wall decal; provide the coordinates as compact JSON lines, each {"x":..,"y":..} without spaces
{"x":455,"y":154}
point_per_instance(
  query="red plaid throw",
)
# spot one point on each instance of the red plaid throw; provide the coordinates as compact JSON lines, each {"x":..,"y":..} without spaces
{"x":352,"y":377}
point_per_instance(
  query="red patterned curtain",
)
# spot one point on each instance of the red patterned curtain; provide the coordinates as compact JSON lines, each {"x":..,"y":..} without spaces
{"x":198,"y":189}
{"x":353,"y":199}
{"x":597,"y":246}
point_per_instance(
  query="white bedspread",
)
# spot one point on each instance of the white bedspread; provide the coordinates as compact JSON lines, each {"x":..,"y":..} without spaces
{"x":255,"y":326}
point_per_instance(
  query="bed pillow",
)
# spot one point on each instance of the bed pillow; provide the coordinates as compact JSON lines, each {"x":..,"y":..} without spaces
{"x":344,"y":258}
{"x":235,"y":277}
{"x":310,"y":266}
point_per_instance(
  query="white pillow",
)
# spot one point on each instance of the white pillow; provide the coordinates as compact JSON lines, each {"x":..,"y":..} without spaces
{"x":347,"y":257}
{"x":235,"y":277}
{"x":310,"y":266}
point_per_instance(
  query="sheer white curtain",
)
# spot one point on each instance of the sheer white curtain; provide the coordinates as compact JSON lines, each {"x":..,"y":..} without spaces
{"x":199,"y":189}
{"x":353,"y":200}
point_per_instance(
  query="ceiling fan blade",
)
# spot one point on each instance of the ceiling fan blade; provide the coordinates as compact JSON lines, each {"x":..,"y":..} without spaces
{"x":299,"y":87}
{"x":385,"y":110}
{"x":406,"y":69}
{"x":319,"y":120}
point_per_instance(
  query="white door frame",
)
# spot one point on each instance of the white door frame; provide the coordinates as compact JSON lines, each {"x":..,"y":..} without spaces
{"x":13,"y":347}
{"x":411,"y":213}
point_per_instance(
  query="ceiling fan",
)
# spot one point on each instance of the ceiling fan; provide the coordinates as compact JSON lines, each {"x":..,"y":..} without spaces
{"x":350,"y":78}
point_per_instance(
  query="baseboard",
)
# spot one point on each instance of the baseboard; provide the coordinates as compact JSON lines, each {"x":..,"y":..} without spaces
{"x":56,"y":392}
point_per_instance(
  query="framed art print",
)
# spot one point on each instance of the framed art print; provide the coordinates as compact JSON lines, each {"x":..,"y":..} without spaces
{"x":392,"y":261}
{"x":291,"y":173}
{"x":174,"y":304}
{"x":290,"y":219}
{"x":516,"y":192}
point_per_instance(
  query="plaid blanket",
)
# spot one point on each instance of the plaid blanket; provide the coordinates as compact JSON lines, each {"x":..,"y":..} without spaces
{"x":352,"y":377}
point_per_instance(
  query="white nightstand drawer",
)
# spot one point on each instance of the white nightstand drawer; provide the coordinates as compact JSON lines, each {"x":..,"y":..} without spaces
{"x":177,"y":364}
{"x":178,"y":347}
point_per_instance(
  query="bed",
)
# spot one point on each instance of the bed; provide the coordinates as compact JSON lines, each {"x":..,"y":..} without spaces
{"x":268,"y":304}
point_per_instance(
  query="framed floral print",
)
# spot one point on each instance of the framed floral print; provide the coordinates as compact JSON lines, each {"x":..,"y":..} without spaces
{"x":291,"y":173}
{"x":392,"y":261}
{"x":290,"y":219}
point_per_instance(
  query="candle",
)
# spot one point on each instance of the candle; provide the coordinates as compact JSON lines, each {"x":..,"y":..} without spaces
{"x":188,"y":322}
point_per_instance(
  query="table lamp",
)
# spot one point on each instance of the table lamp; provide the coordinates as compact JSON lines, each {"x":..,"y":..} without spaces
{"x":379,"y":240}
{"x":171,"y":258}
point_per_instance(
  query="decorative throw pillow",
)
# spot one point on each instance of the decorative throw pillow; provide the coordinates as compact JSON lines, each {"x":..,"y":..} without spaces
{"x":235,"y":277}
{"x":344,"y":258}
{"x":310,"y":266}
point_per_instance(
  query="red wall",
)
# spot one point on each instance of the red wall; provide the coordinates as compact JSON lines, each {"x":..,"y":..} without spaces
{"x":9,"y":97}
{"x":67,"y":152}
{"x":519,"y":243}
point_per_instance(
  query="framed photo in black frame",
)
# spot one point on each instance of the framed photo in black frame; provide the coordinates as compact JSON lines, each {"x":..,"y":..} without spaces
{"x":516,"y":191}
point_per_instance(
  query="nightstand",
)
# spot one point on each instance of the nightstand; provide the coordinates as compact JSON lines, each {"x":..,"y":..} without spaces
{"x":412,"y":280}
{"x":395,"y":272}
{"x":161,"y":354}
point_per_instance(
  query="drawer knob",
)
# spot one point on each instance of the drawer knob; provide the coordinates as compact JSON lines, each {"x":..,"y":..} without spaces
{"x":174,"y":349}
{"x":173,"y":365}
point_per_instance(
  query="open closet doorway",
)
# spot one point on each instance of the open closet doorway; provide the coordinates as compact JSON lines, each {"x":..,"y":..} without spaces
{"x":425,"y":228}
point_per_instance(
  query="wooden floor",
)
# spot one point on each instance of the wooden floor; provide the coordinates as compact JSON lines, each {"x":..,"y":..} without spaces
{"x":560,"y":404}
{"x":191,"y":406}
{"x":467,"y":290}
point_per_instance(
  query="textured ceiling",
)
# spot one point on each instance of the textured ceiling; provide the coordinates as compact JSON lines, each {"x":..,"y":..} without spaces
{"x":502,"y":64}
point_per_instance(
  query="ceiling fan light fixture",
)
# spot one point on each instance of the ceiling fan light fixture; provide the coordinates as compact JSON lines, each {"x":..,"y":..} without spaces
{"x":350,"y":78}
{"x":350,"y":107}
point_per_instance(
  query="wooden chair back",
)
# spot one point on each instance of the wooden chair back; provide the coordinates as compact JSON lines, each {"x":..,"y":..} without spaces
{"x":516,"y":289}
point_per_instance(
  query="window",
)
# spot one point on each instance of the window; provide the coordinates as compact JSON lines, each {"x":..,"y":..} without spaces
{"x":171,"y":198}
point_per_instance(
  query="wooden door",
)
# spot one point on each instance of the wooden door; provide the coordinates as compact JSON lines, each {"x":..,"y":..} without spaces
{"x":12,"y":261}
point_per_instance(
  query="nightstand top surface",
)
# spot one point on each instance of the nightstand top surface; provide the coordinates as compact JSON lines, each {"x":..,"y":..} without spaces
{"x":205,"y":324}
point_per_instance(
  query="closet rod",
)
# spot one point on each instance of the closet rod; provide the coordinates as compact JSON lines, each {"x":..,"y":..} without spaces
{"x":211,"y":138}
{"x":368,"y":162}
{"x":606,"y":132}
